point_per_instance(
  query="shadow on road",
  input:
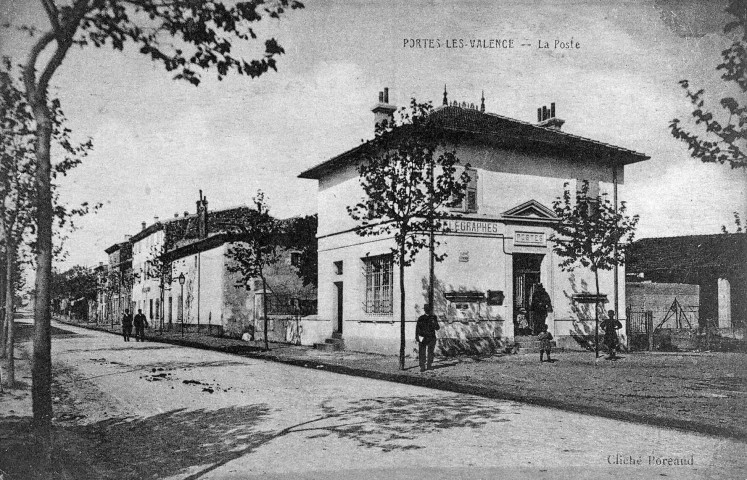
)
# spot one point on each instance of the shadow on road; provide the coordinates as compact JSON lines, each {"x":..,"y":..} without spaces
{"x":196,"y":442}
{"x":171,"y":443}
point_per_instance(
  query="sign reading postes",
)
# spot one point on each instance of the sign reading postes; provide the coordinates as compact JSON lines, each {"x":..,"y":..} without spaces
{"x":529,"y":238}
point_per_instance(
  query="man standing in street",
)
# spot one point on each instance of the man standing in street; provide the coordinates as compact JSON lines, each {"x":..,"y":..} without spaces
{"x":127,"y":325}
{"x":425,"y":335}
{"x":140,"y":324}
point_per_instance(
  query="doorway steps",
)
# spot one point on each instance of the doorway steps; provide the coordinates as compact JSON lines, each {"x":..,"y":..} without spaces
{"x":333,"y":344}
{"x":529,"y":344}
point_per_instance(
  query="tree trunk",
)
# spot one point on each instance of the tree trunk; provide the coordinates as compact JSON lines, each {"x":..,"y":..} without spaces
{"x":596,"y":315}
{"x":10,"y":254}
{"x":264,"y":309}
{"x":41,"y":370}
{"x":402,"y":306}
{"x":3,"y":325}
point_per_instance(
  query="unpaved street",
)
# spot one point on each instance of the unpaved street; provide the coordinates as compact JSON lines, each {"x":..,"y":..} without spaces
{"x":160,"y":411}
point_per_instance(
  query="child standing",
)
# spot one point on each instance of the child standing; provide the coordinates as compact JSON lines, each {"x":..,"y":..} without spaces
{"x":521,"y":321}
{"x":545,"y":338}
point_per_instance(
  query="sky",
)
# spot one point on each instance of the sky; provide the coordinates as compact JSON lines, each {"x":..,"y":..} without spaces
{"x":157,"y":142}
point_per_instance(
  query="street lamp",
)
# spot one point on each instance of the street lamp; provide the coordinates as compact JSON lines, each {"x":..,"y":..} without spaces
{"x":181,"y":302}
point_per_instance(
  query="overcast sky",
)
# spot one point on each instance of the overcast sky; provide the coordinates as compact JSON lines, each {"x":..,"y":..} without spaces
{"x":157,"y":141}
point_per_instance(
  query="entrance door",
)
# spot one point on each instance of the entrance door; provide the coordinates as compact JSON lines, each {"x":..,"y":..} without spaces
{"x":526,"y":276}
{"x":338,"y":307}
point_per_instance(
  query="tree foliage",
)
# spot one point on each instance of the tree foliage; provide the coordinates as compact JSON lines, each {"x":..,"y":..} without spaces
{"x":256,"y":249}
{"x":396,"y":169}
{"x":19,"y":194}
{"x":186,"y":37}
{"x":408,"y":174}
{"x":77,"y":282}
{"x":723,"y":137}
{"x":300,"y":234}
{"x":591,"y":233}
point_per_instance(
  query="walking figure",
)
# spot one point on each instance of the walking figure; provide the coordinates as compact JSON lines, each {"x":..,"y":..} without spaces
{"x":610,"y":326}
{"x":425,"y":335}
{"x":140,"y":324}
{"x":545,"y":339}
{"x":127,"y":325}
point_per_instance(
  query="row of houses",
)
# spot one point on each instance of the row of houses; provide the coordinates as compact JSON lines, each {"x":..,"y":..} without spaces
{"x":497,"y":246}
{"x":178,"y":273}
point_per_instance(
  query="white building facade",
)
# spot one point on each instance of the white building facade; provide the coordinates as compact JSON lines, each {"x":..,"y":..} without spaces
{"x":497,"y":246}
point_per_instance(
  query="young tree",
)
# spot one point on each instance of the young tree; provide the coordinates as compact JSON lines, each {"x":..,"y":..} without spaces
{"x":256,"y":249}
{"x":18,"y":191}
{"x":408,"y":173}
{"x":592,"y":234}
{"x":722,"y":142}
{"x":186,"y":37}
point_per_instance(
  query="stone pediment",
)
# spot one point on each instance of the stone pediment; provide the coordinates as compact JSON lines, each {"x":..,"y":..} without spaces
{"x":531,"y":211}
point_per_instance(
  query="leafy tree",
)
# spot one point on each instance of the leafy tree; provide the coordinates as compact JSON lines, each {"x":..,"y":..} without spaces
{"x":408,"y":173}
{"x":256,"y":249}
{"x":18,"y":207}
{"x":301,"y":235}
{"x":722,"y":142}
{"x":592,"y":234}
{"x":186,"y":37}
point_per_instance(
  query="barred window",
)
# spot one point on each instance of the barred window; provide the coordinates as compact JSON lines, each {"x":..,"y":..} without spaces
{"x":379,"y":284}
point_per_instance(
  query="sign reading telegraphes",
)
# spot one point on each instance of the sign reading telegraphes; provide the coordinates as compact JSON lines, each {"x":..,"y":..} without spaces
{"x":471,"y":226}
{"x":529,"y":238}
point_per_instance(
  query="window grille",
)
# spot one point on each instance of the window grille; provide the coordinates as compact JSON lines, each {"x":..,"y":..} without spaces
{"x":379,"y":273}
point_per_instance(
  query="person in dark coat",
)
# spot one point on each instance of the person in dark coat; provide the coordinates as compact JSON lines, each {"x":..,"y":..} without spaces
{"x":425,"y":335}
{"x":140,"y":324}
{"x":545,"y":339}
{"x":610,"y":326}
{"x":540,"y":305}
{"x":127,"y":325}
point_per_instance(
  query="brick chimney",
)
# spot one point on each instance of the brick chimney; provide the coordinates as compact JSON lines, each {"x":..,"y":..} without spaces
{"x":546,"y":118}
{"x":383,"y":111}
{"x":202,"y":216}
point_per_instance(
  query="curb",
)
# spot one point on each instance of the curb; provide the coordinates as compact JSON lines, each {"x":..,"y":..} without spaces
{"x":456,"y":387}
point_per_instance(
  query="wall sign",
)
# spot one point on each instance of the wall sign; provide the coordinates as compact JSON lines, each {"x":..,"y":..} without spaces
{"x":471,"y":226}
{"x":464,"y":256}
{"x":529,"y":238}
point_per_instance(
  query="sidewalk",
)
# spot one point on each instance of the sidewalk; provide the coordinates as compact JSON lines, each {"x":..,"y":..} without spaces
{"x":704,"y":393}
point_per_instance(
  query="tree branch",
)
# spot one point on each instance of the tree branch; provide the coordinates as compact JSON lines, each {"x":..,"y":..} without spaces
{"x":54,"y":16}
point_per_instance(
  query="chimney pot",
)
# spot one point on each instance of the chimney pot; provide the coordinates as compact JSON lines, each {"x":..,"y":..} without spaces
{"x":143,"y":225}
{"x":381,"y":97}
{"x":386,"y":94}
{"x":186,"y":214}
{"x":544,"y":112}
{"x":127,"y":238}
{"x":539,"y":115}
{"x":176,"y":215}
{"x":552,"y":110}
{"x":155,"y":219}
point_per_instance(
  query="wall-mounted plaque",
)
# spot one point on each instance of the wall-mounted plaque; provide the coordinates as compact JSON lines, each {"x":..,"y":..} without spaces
{"x":529,"y":238}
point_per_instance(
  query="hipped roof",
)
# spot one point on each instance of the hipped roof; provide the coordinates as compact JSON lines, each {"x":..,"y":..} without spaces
{"x":512,"y":133}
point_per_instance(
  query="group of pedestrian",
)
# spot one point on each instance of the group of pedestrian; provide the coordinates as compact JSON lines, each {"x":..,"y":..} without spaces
{"x":139,"y":322}
{"x":427,"y":325}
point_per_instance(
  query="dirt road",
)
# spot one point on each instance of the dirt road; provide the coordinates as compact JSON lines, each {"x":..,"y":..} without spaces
{"x":148,"y":410}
